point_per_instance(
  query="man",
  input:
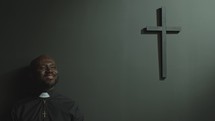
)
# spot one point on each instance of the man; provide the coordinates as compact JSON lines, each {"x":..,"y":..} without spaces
{"x":47,"y":105}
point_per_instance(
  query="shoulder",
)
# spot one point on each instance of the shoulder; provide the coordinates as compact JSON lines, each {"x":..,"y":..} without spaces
{"x":23,"y":105}
{"x":63,"y":101}
{"x":26,"y":102}
{"x":61,"y":98}
{"x":68,"y":105}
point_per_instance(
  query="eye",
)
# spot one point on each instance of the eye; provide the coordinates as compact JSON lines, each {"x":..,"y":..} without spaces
{"x":42,"y":68}
{"x":53,"y":67}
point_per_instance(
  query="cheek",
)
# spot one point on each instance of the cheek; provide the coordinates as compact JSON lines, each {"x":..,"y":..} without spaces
{"x":41,"y":73}
{"x":55,"y":71}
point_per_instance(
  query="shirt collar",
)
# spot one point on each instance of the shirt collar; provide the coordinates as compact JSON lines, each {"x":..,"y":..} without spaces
{"x":44,"y":95}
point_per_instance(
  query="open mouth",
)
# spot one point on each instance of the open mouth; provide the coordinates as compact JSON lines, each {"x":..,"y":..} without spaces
{"x":49,"y":76}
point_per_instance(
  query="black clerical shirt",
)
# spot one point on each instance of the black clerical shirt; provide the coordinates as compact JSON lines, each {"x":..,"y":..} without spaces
{"x":54,"y":108}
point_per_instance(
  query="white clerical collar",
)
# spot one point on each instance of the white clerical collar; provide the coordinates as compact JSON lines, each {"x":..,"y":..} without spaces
{"x":44,"y":95}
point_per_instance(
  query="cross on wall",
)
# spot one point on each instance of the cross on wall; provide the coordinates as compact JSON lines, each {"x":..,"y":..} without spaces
{"x":162,"y":30}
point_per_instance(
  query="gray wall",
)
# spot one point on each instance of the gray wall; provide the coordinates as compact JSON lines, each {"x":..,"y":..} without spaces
{"x":106,"y":64}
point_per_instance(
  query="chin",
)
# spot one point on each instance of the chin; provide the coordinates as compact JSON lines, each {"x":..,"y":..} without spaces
{"x":50,"y":82}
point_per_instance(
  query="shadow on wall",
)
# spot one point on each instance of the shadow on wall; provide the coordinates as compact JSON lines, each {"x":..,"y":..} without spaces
{"x":14,"y":86}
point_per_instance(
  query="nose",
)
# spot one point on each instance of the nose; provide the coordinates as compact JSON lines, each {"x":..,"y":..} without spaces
{"x":48,"y":69}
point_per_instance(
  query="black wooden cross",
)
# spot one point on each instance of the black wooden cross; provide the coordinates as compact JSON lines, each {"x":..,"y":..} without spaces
{"x":162,"y":30}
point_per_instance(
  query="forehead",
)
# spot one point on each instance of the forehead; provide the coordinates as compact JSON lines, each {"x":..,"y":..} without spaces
{"x":43,"y":61}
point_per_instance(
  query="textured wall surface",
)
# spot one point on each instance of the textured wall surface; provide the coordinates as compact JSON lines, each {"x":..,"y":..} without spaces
{"x":106,"y":64}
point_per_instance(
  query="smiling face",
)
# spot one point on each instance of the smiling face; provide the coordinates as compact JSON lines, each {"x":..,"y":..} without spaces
{"x":45,"y":71}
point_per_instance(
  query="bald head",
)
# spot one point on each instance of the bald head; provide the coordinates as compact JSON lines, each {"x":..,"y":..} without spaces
{"x":35,"y":62}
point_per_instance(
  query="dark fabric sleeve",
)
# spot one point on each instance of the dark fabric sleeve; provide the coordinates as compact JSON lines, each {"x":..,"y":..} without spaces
{"x":14,"y":115}
{"x":78,"y":115}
